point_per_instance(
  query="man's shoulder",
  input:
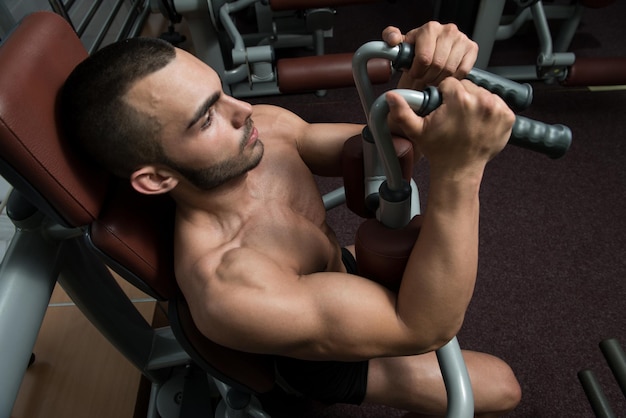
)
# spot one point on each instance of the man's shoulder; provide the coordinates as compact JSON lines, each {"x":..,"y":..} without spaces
{"x":230,"y":264}
{"x":266,"y":112}
{"x":277,"y":122}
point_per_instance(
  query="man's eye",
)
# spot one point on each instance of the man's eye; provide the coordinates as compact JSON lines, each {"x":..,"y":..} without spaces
{"x":207,"y":120}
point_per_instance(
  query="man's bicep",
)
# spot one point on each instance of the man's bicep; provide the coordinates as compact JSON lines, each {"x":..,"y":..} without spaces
{"x":320,"y":316}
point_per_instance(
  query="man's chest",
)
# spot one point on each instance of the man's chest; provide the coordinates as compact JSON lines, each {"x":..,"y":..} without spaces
{"x":295,"y":237}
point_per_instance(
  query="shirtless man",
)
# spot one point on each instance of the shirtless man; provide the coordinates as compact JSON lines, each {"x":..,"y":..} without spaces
{"x":251,"y":233}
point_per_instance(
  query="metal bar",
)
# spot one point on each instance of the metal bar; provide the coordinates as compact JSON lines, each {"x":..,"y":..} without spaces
{"x":82,"y":26}
{"x":334,"y":198}
{"x":370,"y":50}
{"x":597,"y":400}
{"x":616,"y":359}
{"x":515,"y":72}
{"x":543,"y":30}
{"x":90,"y":284}
{"x":130,"y":19}
{"x":382,"y":134}
{"x":107,"y":25}
{"x":7,"y":22}
{"x":456,"y":378}
{"x":138,"y":24}
{"x":568,"y":29}
{"x":485,"y":29}
{"x":25,"y":290}
{"x":509,"y":29}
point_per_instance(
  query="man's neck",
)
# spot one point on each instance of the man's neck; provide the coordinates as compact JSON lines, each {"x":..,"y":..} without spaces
{"x":227,"y":199}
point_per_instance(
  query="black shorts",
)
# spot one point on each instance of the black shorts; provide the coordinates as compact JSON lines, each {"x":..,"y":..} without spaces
{"x":327,"y":381}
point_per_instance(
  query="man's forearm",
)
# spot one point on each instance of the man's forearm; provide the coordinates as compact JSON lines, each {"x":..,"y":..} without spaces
{"x":439,"y":279}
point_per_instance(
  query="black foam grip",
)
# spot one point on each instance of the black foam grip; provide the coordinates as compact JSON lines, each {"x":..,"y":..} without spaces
{"x":517,"y":96}
{"x":405,"y":56}
{"x":551,"y":140}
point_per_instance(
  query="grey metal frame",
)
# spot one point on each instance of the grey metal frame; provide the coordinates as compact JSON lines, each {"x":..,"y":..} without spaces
{"x":398,"y":214}
{"x":131,"y":25}
{"x":252,"y":73}
{"x":82,"y":20}
{"x":616,"y":360}
{"x":42,"y":252}
{"x":7,"y":21}
{"x":552,"y":56}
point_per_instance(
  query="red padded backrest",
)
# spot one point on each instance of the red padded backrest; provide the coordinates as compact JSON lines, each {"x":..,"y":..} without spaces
{"x":137,"y":233}
{"x":134,"y":232}
{"x":35,"y":60}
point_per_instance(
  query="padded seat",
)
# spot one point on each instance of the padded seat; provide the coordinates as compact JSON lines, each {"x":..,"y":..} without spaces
{"x":134,"y":233}
{"x":130,"y":232}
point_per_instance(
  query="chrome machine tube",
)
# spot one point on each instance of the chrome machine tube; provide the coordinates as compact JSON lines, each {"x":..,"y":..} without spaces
{"x":456,"y":377}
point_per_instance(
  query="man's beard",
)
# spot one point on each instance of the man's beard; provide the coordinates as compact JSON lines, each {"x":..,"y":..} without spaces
{"x":208,"y":178}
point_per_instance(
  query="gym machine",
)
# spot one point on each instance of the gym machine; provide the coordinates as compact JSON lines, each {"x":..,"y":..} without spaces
{"x":554,"y":63}
{"x":75,"y":223}
{"x":247,"y":60}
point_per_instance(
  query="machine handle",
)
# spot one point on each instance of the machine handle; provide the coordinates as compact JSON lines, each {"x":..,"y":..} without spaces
{"x":517,"y":96}
{"x":551,"y":140}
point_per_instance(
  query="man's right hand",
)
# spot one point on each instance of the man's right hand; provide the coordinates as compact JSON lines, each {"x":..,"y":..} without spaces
{"x":470,"y":127}
{"x":440,"y":51}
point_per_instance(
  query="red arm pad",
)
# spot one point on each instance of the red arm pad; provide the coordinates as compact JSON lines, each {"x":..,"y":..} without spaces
{"x":382,"y":253}
{"x":597,"y":72}
{"x":323,"y":72}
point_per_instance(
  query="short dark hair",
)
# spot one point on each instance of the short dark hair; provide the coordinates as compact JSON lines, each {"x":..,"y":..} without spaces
{"x":94,"y":114}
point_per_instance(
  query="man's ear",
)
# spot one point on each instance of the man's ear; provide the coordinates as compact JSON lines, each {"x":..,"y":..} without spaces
{"x":152,"y":180}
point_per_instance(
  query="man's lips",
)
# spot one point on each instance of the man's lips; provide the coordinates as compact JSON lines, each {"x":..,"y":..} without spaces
{"x":254,"y":135}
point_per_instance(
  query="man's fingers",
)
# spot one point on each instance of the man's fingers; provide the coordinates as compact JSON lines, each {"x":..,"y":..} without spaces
{"x":440,"y":51}
{"x":402,"y":116}
{"x":392,"y":36}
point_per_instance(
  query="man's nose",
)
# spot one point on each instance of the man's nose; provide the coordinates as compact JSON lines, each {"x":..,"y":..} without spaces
{"x":241,"y":111}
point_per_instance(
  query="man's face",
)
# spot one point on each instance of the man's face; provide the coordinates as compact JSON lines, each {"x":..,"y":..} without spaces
{"x":207,"y":136}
